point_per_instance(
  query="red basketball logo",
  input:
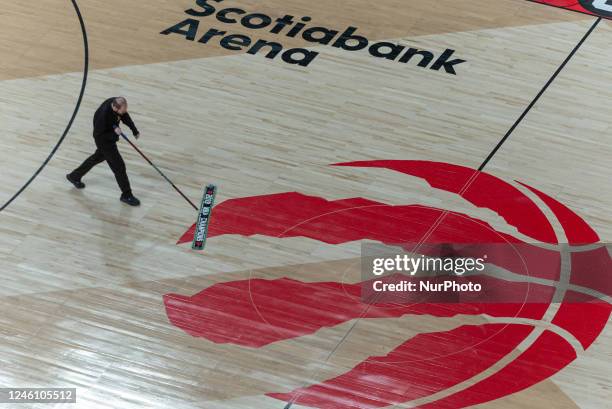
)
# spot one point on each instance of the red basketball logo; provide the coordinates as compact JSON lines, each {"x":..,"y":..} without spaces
{"x":602,"y":8}
{"x":519,"y":347}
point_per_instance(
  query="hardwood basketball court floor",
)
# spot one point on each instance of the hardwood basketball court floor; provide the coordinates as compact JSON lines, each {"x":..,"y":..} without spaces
{"x":326,"y":126}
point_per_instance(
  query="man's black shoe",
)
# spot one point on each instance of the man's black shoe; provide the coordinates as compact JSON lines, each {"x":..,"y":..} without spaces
{"x":77,"y":183}
{"x":131,"y":200}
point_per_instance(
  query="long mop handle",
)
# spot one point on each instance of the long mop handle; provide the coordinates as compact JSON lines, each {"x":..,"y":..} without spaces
{"x":159,"y":171}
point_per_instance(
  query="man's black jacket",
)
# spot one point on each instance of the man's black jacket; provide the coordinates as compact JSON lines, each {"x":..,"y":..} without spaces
{"x":106,"y":120}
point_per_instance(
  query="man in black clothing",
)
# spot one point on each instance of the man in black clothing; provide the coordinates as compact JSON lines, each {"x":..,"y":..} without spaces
{"x":106,"y":134}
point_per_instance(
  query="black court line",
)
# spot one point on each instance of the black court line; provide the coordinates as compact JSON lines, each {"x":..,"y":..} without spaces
{"x":494,"y":151}
{"x":542,"y":91}
{"x":74,"y":113}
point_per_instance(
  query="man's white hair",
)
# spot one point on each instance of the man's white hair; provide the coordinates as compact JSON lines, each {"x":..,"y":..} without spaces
{"x":120,"y":101}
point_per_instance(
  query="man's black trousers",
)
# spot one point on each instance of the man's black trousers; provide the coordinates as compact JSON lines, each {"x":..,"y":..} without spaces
{"x":106,"y":151}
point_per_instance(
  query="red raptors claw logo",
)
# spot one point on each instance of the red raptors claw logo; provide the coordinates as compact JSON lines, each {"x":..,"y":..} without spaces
{"x":269,"y":311}
{"x":601,"y":8}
